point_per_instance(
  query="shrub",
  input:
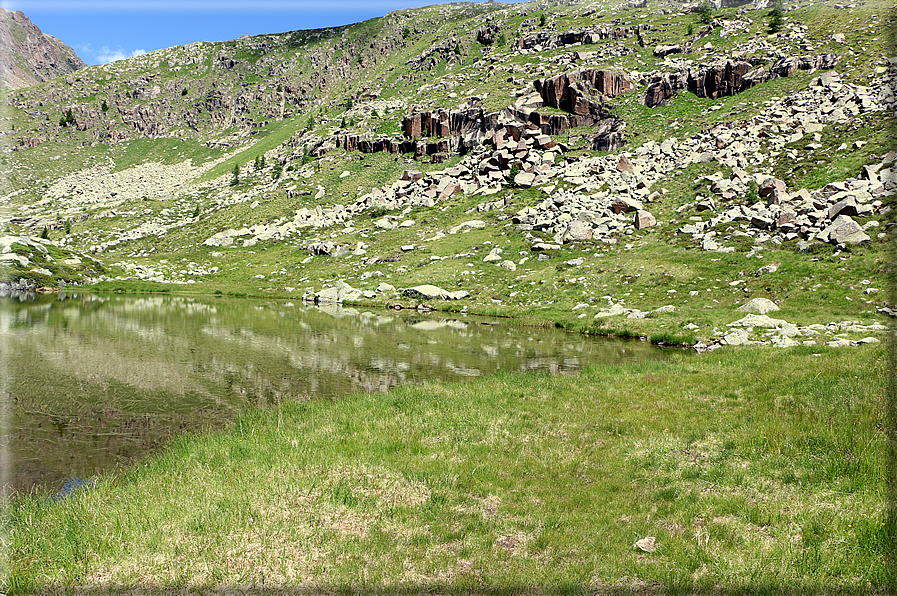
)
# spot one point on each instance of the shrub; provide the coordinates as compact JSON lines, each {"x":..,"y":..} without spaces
{"x":66,"y":119}
{"x":236,"y":178}
{"x":705,"y":13}
{"x":406,"y":32}
{"x":753,"y":193}
{"x":777,"y":22}
{"x":515,"y":169}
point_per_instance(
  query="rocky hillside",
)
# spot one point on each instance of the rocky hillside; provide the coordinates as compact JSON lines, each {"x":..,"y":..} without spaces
{"x":629,"y":167}
{"x":28,"y":56}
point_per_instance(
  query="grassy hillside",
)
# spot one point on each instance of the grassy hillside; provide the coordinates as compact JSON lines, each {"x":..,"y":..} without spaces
{"x":222,"y":168}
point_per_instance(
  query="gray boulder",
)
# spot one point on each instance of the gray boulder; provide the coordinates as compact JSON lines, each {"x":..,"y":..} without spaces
{"x":759,"y":306}
{"x":844,"y":230}
{"x":644,"y":219}
{"x":577,"y":230}
{"x":430,"y":292}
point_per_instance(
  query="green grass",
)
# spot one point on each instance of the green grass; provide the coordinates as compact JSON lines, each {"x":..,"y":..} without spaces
{"x":278,"y":133}
{"x":754,"y":469}
{"x":757,"y":471}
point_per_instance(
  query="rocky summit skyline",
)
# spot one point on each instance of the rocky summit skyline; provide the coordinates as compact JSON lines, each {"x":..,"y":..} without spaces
{"x":29,"y":56}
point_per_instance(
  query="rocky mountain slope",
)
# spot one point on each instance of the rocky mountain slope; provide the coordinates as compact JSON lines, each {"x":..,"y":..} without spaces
{"x":28,"y":56}
{"x":641,"y":169}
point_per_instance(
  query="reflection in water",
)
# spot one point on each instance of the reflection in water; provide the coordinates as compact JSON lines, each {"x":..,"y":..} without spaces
{"x":96,"y":381}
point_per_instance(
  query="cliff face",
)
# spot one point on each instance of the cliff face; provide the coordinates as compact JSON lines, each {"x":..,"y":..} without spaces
{"x":29,"y":56}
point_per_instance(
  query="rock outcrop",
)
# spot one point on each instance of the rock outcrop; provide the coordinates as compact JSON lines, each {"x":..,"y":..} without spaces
{"x":724,"y":79}
{"x":580,"y":93}
{"x":29,"y":56}
{"x":546,"y":40}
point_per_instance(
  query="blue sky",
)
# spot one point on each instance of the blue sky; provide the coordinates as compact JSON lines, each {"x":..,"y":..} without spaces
{"x":104,"y":30}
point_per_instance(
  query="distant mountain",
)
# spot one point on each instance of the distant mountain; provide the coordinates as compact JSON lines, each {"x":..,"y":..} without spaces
{"x":29,"y":56}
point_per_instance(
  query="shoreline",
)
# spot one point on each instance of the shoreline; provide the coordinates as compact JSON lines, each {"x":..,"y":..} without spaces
{"x":378,"y":466}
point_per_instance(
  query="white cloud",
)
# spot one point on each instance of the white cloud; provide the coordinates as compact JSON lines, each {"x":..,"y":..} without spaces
{"x":107,"y":55}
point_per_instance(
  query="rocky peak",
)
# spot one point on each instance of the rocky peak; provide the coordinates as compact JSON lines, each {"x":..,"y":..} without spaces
{"x":29,"y":56}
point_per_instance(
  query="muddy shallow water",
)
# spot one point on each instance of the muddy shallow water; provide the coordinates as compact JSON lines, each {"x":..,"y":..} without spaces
{"x":90,"y":383}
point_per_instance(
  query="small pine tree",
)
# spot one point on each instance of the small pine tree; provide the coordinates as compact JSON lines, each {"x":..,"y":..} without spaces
{"x":183,"y":92}
{"x":196,"y":212}
{"x":406,"y":32}
{"x":777,"y":21}
{"x":277,"y":172}
{"x":45,"y":234}
{"x":542,"y":20}
{"x":690,"y":30}
{"x":705,"y":12}
{"x":68,"y":227}
{"x":66,"y":119}
{"x":105,"y":106}
{"x":502,"y":39}
{"x":515,"y":169}
{"x":262,"y":160}
{"x":236,"y":175}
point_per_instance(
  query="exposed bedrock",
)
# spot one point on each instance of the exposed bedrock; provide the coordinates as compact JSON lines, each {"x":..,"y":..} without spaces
{"x":728,"y":78}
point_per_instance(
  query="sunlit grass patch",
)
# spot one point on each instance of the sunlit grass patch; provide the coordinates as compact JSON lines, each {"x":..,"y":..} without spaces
{"x":746,"y":468}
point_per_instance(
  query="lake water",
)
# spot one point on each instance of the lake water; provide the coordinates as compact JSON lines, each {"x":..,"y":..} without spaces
{"x":90,"y":383}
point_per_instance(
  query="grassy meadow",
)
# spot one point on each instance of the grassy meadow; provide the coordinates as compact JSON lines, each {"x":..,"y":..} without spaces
{"x":745,"y":471}
{"x":755,"y":471}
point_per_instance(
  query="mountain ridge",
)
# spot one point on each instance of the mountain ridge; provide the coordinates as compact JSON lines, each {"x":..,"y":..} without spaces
{"x":29,"y":56}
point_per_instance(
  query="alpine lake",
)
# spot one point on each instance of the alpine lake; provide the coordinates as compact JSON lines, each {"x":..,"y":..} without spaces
{"x":92,"y":383}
